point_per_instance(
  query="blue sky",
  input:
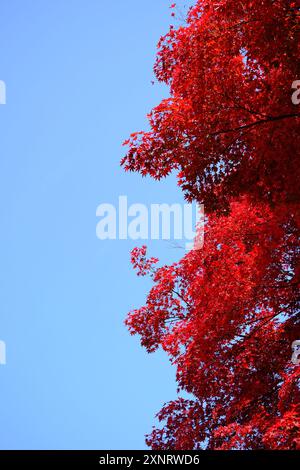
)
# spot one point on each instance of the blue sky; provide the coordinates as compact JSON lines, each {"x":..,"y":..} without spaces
{"x":78,"y":76}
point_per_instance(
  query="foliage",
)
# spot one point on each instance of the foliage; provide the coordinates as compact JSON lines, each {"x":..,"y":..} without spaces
{"x":228,"y":314}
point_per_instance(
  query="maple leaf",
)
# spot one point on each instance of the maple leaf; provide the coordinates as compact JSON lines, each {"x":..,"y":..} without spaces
{"x":227,"y":315}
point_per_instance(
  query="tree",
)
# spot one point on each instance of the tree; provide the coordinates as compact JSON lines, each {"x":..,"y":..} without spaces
{"x":228,"y":314}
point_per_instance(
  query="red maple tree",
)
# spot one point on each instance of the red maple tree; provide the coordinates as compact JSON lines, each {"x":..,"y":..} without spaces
{"x":228,"y":314}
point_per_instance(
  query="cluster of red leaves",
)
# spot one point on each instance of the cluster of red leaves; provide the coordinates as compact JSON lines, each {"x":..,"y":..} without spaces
{"x":229,"y":127}
{"x":140,"y":262}
{"x":228,"y":314}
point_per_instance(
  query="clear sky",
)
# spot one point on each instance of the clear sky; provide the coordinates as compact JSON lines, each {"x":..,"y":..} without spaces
{"x":78,"y":76}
